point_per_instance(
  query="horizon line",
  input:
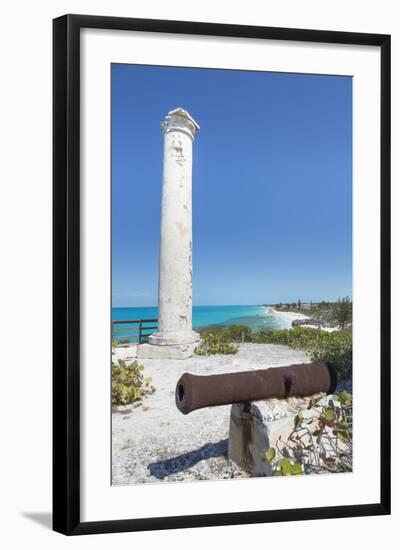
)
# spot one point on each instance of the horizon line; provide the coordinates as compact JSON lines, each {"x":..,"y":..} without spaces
{"x":244,"y":305}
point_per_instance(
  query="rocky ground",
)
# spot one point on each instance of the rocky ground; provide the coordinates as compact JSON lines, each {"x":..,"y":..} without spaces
{"x":152,"y":441}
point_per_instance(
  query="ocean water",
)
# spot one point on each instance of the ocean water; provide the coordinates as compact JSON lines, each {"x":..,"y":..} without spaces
{"x":255,"y":317}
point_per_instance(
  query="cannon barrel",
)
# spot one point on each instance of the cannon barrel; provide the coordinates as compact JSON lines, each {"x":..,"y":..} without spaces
{"x":196,"y":392}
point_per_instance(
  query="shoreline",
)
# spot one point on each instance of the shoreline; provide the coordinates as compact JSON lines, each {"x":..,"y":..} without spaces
{"x":286,"y":316}
{"x":289,"y":316}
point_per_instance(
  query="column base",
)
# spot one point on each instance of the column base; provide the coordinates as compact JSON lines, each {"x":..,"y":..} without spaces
{"x":173,"y":351}
{"x":174,"y":338}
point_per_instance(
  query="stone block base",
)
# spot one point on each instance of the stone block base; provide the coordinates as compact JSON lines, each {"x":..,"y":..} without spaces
{"x":255,"y":427}
{"x":174,"y":338}
{"x":150,"y":351}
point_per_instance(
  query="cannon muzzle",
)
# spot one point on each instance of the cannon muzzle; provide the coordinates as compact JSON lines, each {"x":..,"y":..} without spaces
{"x":196,"y":392}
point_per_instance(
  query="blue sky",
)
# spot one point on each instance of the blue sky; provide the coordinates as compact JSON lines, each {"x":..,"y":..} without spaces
{"x":272,"y":183}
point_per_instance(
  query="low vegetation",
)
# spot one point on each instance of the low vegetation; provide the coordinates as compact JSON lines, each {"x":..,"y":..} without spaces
{"x":335,"y":347}
{"x":343,"y":311}
{"x":231,"y":333}
{"x":216,"y":341}
{"x":128,"y":383}
{"x":320,"y":443}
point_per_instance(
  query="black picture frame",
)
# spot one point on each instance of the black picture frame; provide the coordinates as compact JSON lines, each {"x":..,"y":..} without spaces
{"x":66,"y":273}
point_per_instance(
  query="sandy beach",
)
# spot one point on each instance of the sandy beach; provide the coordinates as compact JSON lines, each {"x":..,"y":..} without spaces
{"x":289,"y":316}
{"x":286,"y":316}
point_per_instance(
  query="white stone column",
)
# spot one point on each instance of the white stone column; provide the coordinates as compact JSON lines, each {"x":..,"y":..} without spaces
{"x":175,"y":337}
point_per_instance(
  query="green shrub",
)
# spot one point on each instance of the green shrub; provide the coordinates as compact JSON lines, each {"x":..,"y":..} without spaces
{"x":212,"y":329}
{"x":128,"y":383}
{"x":335,"y":347}
{"x":216,"y":342}
{"x":317,"y":444}
{"x":321,"y":345}
{"x":239,"y":333}
{"x":231,"y":333}
{"x":298,"y":337}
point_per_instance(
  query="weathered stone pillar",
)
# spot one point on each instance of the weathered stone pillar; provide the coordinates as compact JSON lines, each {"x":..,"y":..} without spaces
{"x":175,"y":337}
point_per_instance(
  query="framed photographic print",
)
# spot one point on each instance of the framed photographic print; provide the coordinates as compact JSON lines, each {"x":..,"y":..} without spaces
{"x":221,"y":274}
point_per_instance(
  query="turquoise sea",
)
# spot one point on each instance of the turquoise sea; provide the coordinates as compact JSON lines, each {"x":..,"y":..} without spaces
{"x":255,"y":317}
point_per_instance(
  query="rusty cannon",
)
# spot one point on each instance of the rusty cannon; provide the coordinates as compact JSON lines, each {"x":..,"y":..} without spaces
{"x":196,"y":392}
